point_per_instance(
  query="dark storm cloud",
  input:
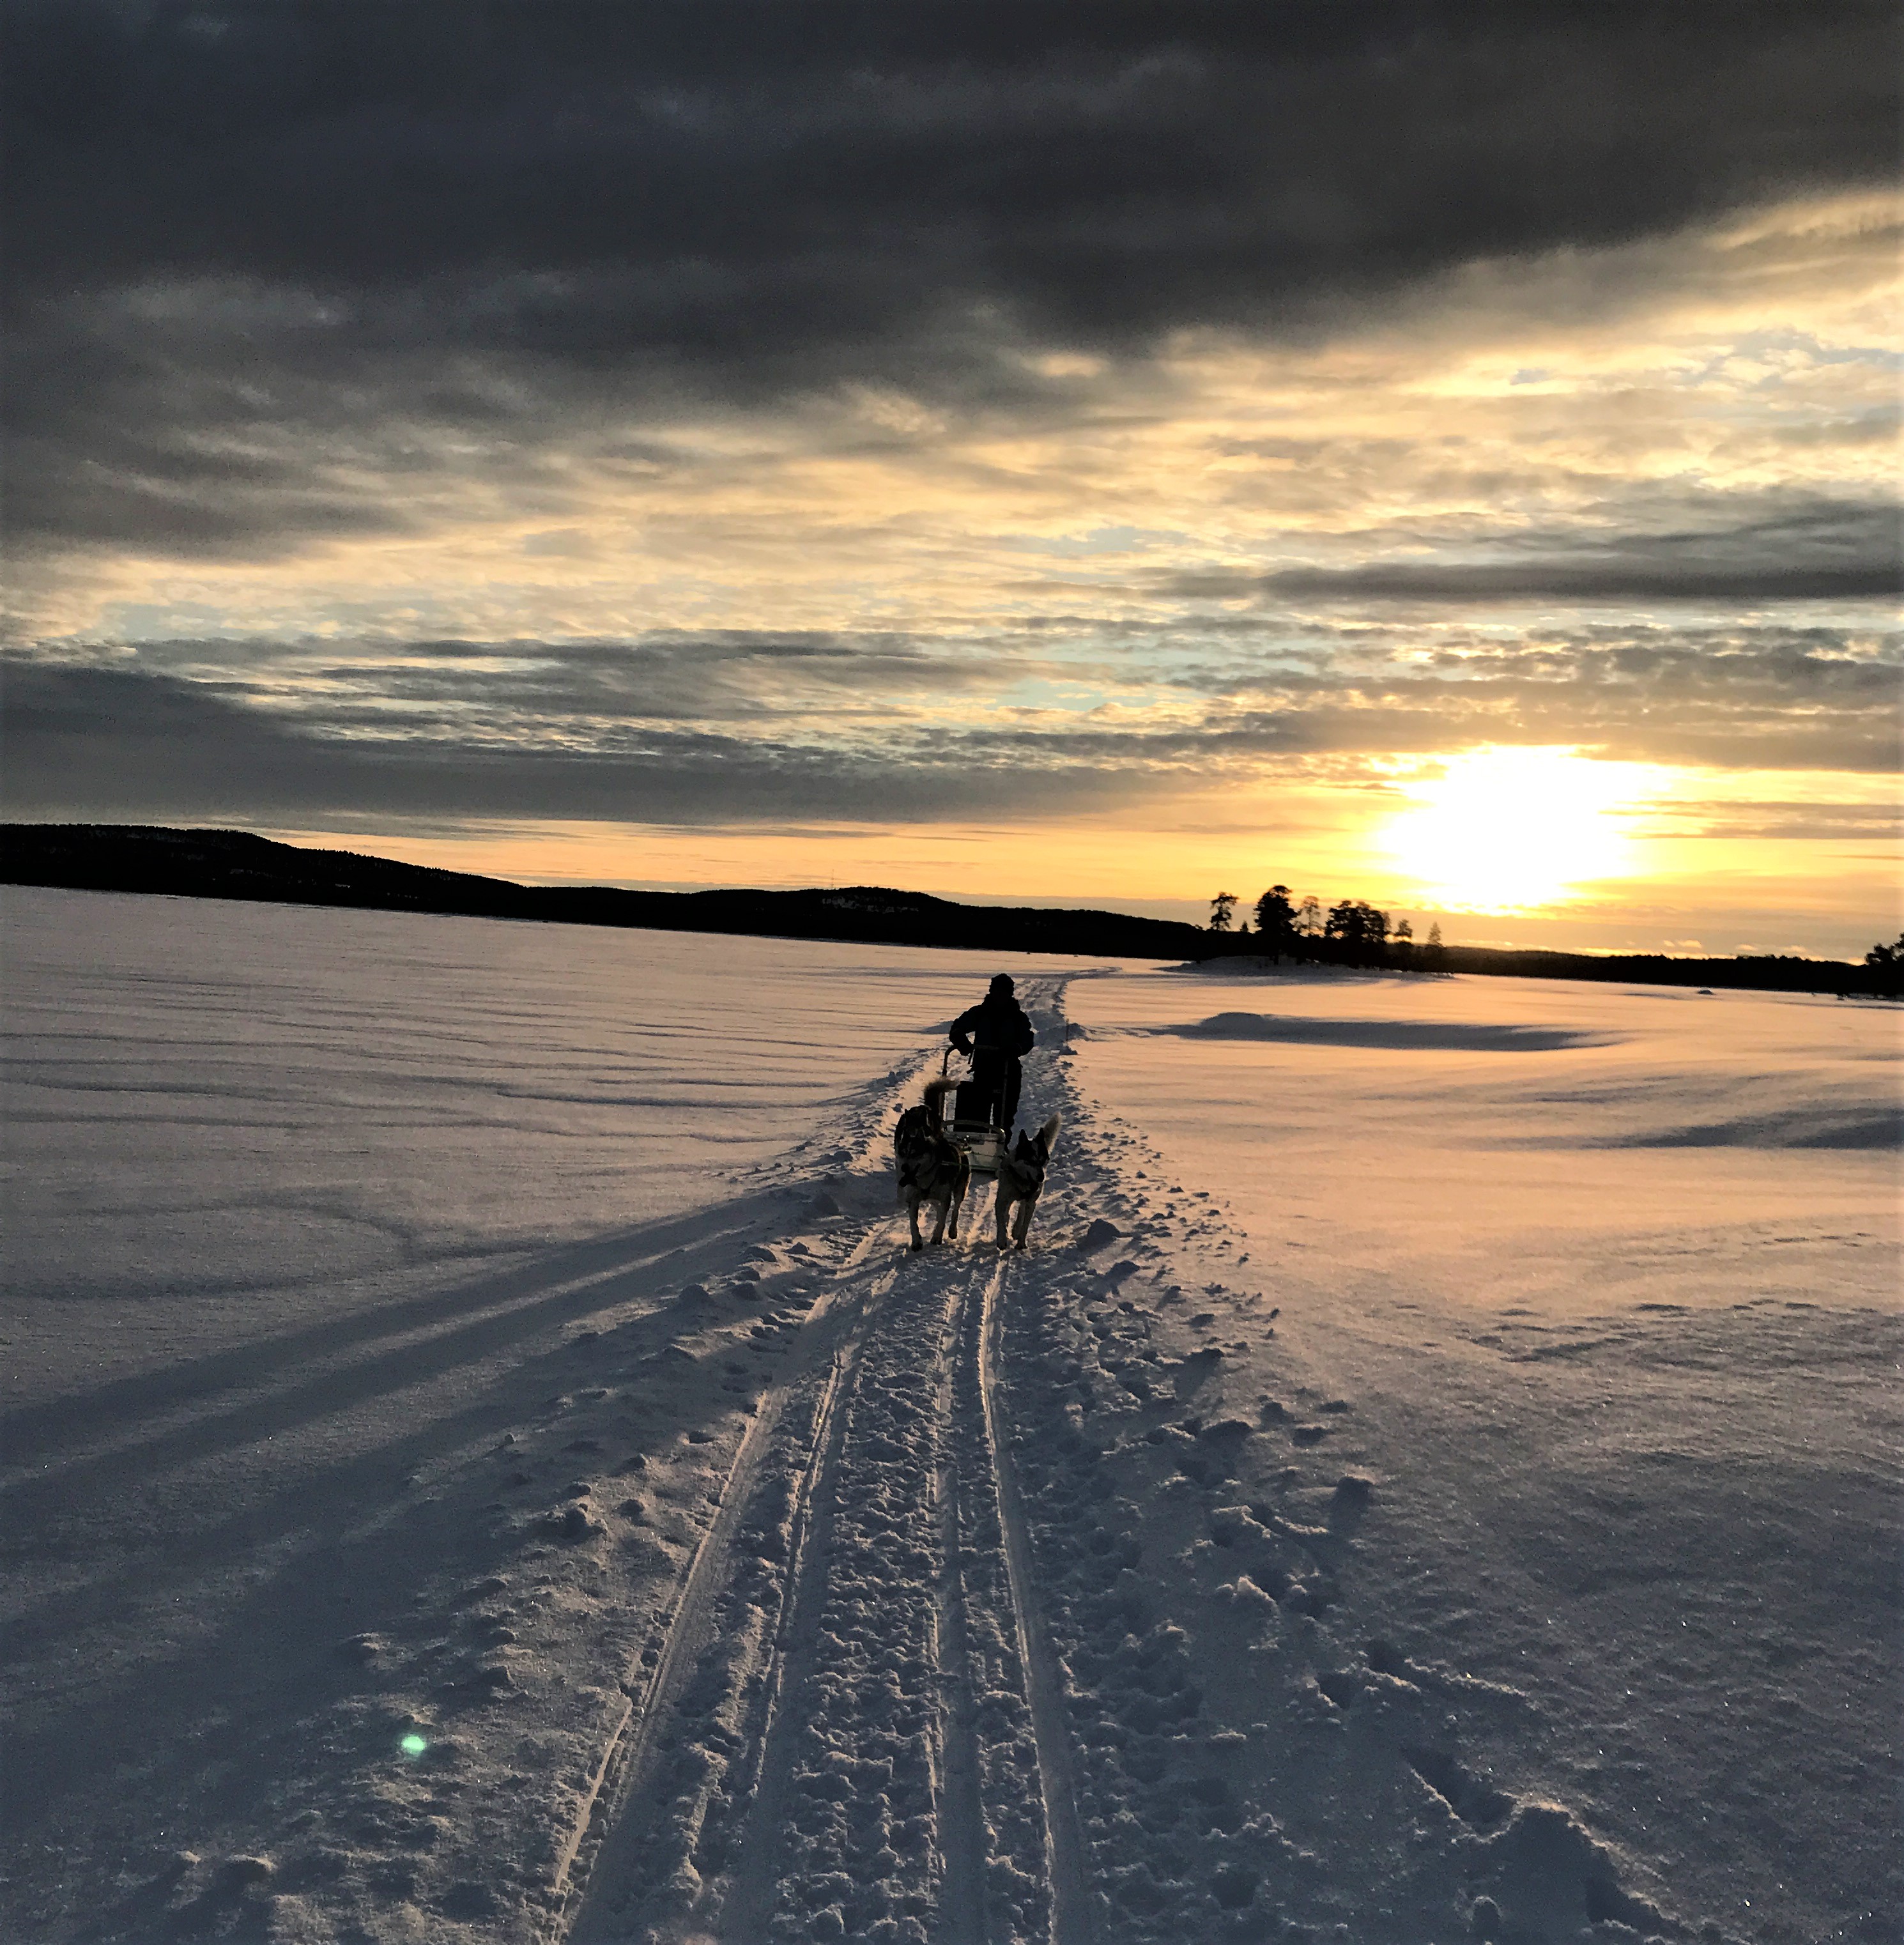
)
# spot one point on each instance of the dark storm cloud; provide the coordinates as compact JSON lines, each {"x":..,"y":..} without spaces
{"x":1116,"y":166}
{"x":295,"y":216}
{"x":1607,"y":578}
{"x":1807,"y":549}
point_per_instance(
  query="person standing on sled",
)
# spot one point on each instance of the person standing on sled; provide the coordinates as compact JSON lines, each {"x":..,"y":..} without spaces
{"x":995,"y":1035}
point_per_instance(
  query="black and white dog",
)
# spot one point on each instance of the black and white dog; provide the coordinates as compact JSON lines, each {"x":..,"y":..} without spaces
{"x":932,"y":1167}
{"x":1021,"y":1179}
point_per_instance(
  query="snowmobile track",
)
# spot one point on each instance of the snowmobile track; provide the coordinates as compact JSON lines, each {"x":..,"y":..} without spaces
{"x":628,"y":1801}
{"x":963,"y":1817}
{"x":853,"y":1728}
{"x":747,"y":1908}
{"x":1069,"y":1893}
{"x":628,"y":1768}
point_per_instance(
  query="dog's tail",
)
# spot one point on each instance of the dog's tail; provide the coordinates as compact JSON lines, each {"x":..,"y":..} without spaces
{"x":935,"y":1093}
{"x":1048,"y":1134}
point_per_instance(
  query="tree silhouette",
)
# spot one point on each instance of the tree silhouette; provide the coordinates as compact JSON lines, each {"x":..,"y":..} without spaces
{"x":1276,"y":920}
{"x":1887,"y":963}
{"x":1358,"y":927}
{"x":1221,"y":907}
{"x":1308,"y":917}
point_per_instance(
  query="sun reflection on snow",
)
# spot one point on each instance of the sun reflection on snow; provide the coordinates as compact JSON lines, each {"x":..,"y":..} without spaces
{"x":1503,"y":830}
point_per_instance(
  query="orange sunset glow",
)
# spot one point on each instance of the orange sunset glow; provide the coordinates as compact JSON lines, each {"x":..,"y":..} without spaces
{"x":1544,"y":581}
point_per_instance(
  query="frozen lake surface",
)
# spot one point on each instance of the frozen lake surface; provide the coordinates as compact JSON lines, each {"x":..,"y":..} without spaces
{"x":1610,"y":1275}
{"x":227,"y":1116}
{"x":480,"y":1465}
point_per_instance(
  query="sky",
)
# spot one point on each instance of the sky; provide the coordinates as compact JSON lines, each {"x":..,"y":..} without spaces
{"x":1446,"y":455}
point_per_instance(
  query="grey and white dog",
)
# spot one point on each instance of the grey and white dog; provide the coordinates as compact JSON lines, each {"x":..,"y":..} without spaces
{"x":1021,"y":1181}
{"x":932,"y":1167}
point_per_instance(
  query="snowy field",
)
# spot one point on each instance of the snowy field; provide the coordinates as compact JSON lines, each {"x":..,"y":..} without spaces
{"x":480,"y":1464}
{"x":1607,"y":1279}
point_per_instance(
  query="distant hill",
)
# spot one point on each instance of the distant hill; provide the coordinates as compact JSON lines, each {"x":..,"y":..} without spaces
{"x":238,"y":865}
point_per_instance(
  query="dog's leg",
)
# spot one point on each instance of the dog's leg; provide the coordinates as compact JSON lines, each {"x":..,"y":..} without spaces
{"x":1024,"y":1221}
{"x":1002,"y":1210}
{"x":912,"y":1216}
{"x":961,"y":1182}
{"x":938,"y":1227}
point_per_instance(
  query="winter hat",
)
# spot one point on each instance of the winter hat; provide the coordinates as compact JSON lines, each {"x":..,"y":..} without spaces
{"x":1002,"y":982}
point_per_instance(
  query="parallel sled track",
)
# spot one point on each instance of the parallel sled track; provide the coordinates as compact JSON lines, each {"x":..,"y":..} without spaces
{"x":854,"y":1725}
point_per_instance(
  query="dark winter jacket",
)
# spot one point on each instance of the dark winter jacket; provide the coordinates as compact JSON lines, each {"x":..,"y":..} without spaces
{"x":997,"y":1023}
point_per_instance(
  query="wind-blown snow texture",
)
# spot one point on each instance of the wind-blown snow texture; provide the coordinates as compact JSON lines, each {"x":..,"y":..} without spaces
{"x":480,"y":1464}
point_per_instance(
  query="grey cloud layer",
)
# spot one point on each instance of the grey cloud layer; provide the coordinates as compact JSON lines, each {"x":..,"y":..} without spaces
{"x":1748,"y":549}
{"x":280,"y":271}
{"x":1114,"y":168}
{"x":738,"y":729}
{"x":101,"y":743}
{"x":234,"y":229}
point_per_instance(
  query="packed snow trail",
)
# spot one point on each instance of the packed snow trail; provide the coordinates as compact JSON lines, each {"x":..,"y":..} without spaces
{"x":1026,"y":1633}
{"x":853,"y":1754}
{"x":1064,"y":1859}
{"x":860,"y":1733}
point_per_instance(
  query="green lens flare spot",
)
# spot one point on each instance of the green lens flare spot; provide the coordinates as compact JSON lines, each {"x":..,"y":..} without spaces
{"x":413,"y":1745}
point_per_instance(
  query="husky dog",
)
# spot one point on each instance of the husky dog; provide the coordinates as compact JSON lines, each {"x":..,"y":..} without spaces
{"x":932,"y":1167}
{"x":1021,"y":1177}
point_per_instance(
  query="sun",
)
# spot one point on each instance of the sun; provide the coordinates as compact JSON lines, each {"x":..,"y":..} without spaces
{"x":1510,"y":829}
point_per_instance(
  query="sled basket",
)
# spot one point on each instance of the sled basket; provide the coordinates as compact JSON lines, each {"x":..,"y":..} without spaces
{"x":974,"y":1108}
{"x":974,"y":1125}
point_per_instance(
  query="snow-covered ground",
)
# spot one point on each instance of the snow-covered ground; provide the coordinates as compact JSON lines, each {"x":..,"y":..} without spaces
{"x":480,"y":1465}
{"x":1603,"y":1282}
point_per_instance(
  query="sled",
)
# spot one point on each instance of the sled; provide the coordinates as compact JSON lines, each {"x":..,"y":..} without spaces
{"x":978,"y":1111}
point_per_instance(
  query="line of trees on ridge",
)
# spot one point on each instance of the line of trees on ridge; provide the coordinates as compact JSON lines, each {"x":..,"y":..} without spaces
{"x":1886,"y":964}
{"x":1357,"y":933}
{"x":1353,"y":932}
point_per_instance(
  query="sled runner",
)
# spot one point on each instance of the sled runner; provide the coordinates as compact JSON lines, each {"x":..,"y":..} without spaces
{"x":978,"y":1111}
